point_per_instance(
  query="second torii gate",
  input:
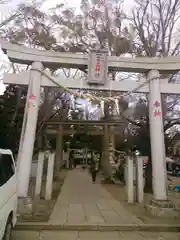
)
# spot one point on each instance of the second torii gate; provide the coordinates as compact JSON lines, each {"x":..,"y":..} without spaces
{"x":35,"y":78}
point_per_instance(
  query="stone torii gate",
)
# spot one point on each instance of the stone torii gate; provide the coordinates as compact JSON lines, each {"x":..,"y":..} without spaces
{"x":151,"y":67}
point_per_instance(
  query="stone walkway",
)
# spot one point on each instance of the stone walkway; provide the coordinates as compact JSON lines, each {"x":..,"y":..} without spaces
{"x":83,"y":203}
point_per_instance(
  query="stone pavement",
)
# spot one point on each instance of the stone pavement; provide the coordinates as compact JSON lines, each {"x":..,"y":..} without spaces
{"x":81,"y":202}
{"x":94,"y":235}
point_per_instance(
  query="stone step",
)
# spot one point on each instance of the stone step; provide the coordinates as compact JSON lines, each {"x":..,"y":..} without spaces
{"x":101,"y":227}
{"x":95,"y":235}
{"x":162,"y":204}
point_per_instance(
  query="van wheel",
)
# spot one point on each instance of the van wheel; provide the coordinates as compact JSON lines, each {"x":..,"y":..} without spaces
{"x":8,"y":230}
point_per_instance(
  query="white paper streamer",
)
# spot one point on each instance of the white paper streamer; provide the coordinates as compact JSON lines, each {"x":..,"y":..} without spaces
{"x":102,"y":108}
{"x":73,"y":102}
{"x":117,"y":106}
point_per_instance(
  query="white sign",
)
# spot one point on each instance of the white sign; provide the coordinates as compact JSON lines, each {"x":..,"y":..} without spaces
{"x":98,"y":67}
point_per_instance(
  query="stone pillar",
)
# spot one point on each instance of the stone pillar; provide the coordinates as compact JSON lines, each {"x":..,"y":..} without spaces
{"x":26,"y":152}
{"x":130,"y":178}
{"x":49,"y":178}
{"x":86,"y":156}
{"x":67,"y":156}
{"x":157,"y":138}
{"x":139,"y":180}
{"x":39,"y":174}
{"x":112,"y":141}
{"x":112,"y":136}
{"x":59,"y":149}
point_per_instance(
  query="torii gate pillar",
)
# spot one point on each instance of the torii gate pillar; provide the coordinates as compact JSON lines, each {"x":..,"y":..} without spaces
{"x":29,"y":130}
{"x":159,"y":174}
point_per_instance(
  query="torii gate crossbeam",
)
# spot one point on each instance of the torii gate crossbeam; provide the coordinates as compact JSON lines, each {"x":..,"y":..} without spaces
{"x":121,"y":86}
{"x":50,"y":59}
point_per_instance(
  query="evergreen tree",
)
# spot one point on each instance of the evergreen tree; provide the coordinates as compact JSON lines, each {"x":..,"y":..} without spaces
{"x":12,"y":105}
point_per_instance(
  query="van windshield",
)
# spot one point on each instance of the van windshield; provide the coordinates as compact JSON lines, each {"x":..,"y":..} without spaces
{"x":7,"y":169}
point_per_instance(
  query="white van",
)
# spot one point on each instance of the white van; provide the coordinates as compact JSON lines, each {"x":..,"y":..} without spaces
{"x":8,"y":194}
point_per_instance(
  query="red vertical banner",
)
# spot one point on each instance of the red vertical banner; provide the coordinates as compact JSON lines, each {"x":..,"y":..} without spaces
{"x":157,"y":113}
{"x":32,"y":100}
{"x":156,"y":106}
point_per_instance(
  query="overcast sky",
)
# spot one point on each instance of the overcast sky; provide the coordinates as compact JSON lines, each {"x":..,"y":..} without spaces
{"x":51,"y":3}
{"x":128,"y":3}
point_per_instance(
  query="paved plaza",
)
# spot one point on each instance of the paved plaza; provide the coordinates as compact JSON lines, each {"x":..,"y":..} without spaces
{"x":81,"y":202}
{"x":93,"y":235}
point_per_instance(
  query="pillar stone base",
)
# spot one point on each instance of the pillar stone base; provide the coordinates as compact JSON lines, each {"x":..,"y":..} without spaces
{"x":25,"y":205}
{"x":157,"y":208}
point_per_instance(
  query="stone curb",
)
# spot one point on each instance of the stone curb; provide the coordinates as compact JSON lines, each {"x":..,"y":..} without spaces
{"x":100,"y":227}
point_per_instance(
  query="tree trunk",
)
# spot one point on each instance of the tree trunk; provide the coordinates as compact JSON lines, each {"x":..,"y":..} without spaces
{"x":106,"y":166}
